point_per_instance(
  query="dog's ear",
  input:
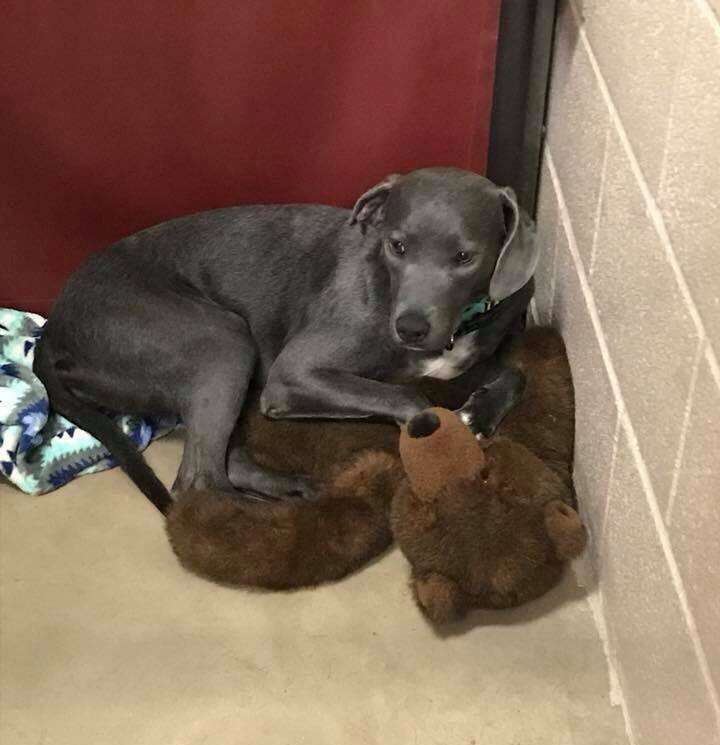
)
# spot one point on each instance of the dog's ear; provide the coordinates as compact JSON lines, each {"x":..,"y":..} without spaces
{"x":369,"y":208}
{"x":520,"y":252}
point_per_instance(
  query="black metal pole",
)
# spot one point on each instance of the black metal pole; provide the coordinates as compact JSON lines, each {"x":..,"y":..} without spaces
{"x":517,"y":127}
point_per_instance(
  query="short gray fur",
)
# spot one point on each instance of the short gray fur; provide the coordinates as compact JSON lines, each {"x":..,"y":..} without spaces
{"x":315,"y":304}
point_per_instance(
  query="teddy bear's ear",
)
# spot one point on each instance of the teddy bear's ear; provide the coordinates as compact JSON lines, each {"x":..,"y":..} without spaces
{"x":565,"y":529}
{"x":438,"y":450}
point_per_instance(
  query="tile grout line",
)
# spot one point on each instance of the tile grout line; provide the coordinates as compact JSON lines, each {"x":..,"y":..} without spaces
{"x":613,"y":463}
{"x":653,"y":211}
{"x":553,"y":275}
{"x":617,"y":697}
{"x":585,"y":286}
{"x":612,"y":661}
{"x":712,"y":361}
{"x":710,"y":15}
{"x":683,"y":432}
{"x":674,"y":571}
{"x":597,"y":606}
{"x":673,"y":89}
{"x":598,"y":207}
{"x":553,"y":268}
{"x":635,"y":447}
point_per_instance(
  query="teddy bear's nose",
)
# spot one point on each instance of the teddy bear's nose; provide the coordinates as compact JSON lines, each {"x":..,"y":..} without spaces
{"x":423,"y":424}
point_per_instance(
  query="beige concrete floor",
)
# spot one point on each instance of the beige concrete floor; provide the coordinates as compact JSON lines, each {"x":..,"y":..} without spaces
{"x":106,"y":640}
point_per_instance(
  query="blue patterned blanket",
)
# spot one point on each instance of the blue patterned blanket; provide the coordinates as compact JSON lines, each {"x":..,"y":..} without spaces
{"x":39,"y":450}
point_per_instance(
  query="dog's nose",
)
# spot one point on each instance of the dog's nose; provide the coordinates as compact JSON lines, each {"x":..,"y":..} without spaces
{"x":412,"y":327}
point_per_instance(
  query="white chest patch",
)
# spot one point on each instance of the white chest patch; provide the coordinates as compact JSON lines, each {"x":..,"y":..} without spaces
{"x":452,"y":362}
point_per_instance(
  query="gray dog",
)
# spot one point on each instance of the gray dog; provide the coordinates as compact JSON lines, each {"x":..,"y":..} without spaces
{"x":327,"y":310}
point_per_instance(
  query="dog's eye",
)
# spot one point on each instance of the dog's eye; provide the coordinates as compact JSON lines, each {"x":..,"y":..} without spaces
{"x":463,"y":257}
{"x":397,"y":246}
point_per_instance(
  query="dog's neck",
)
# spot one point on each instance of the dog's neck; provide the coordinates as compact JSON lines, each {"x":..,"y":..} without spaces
{"x":463,"y":350}
{"x":454,"y":361}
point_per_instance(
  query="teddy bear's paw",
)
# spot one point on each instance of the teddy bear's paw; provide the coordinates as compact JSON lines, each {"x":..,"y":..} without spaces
{"x":439,"y":598}
{"x":565,"y":529}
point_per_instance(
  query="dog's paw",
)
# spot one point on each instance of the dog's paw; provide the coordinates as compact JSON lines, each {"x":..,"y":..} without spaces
{"x":473,"y":414}
{"x":266,"y":485}
{"x":298,"y":487}
{"x":489,"y":405}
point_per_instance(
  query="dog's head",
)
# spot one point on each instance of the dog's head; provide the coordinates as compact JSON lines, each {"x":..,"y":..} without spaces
{"x":448,"y":237}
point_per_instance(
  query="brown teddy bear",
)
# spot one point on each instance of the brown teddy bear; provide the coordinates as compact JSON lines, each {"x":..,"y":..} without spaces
{"x":294,"y":543}
{"x":486,"y":527}
{"x":483,"y":524}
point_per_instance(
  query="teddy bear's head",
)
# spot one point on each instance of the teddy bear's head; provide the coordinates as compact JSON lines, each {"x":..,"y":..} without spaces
{"x":482,"y":526}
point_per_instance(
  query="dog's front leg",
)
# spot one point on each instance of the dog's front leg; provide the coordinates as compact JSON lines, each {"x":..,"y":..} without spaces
{"x":337,"y":395}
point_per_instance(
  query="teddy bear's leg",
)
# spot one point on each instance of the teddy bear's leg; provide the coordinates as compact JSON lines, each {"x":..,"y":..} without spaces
{"x":439,"y":597}
{"x":372,"y":476}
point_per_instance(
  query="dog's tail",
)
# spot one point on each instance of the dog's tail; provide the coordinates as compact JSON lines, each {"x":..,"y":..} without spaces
{"x":100,"y":426}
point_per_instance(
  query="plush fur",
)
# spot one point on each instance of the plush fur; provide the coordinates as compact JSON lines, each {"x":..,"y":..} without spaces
{"x":492,"y":530}
{"x":482,"y":524}
{"x":289,"y":544}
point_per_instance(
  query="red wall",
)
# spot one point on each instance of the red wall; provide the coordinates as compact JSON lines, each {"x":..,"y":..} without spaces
{"x":117,"y":115}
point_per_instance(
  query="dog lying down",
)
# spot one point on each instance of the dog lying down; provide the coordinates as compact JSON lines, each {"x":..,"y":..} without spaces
{"x":483,"y":524}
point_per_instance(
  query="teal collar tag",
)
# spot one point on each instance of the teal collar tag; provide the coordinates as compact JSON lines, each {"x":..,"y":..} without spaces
{"x":472,"y":314}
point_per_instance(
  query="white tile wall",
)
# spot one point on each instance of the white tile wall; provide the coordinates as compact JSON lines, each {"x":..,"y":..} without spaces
{"x":630,"y":212}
